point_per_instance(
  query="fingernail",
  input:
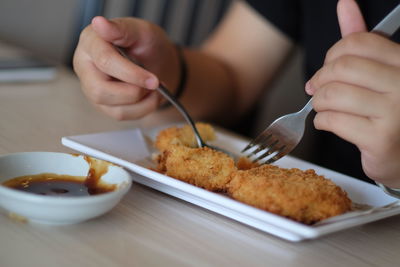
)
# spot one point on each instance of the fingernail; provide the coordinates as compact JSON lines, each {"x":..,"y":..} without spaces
{"x":308,"y":88}
{"x":151,"y":83}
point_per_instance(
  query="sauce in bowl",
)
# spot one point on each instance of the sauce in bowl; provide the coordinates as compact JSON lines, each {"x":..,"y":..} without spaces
{"x":65,"y":185}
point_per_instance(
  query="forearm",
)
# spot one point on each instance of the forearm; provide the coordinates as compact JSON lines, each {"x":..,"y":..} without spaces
{"x":225,"y":76}
{"x":228,"y":72}
{"x":210,"y":91}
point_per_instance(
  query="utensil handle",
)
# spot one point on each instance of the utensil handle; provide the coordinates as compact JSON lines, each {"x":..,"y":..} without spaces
{"x":165,"y":93}
{"x":389,"y":25}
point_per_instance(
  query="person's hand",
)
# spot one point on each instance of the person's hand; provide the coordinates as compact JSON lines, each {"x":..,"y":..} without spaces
{"x":357,"y":95}
{"x":111,"y":82}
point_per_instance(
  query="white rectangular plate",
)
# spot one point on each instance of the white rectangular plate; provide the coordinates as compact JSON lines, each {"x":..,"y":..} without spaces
{"x":132,"y":150}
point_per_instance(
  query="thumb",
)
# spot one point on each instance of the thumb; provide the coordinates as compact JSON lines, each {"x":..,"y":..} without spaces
{"x":112,"y":31}
{"x":350,"y":18}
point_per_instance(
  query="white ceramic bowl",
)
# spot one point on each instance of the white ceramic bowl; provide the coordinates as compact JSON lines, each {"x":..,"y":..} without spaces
{"x":57,"y":209}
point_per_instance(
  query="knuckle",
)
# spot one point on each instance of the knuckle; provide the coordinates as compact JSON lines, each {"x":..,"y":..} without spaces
{"x":118,"y":113}
{"x":324,"y":120}
{"x":330,"y":54}
{"x":329,"y":92}
{"x":327,"y":95}
{"x":330,"y":118}
{"x":103,"y":61}
{"x":318,"y":121}
{"x":354,"y":41}
{"x":342,"y":64}
{"x":96,"y":95}
{"x":135,"y":94}
{"x":76,"y":64}
{"x":85,"y":33}
{"x":347,"y":45}
{"x":317,"y":79}
{"x":87,"y":30}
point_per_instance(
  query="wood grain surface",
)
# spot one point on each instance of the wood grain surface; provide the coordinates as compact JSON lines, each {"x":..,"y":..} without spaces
{"x":149,"y":228}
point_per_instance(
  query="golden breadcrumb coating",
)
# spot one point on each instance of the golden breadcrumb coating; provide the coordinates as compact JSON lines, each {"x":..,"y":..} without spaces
{"x":300,"y":195}
{"x":203,"y":167}
{"x":183,"y":136}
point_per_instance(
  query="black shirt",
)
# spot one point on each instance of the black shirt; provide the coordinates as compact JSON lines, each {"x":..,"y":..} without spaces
{"x":314,"y":26}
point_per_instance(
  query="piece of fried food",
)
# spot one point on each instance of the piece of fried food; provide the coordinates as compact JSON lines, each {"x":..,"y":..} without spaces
{"x":300,"y":195}
{"x":183,"y":136}
{"x":203,"y":167}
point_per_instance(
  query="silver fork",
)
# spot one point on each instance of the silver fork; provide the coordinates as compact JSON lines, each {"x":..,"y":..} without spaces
{"x":283,"y":135}
{"x":280,"y":138}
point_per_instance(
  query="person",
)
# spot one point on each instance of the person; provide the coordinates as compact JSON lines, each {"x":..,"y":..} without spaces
{"x":352,"y":74}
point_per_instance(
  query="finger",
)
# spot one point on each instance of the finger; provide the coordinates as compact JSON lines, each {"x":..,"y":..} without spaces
{"x":357,"y":71}
{"x":114,"y":32}
{"x":368,"y":45}
{"x":133,"y":34}
{"x":132,"y":112}
{"x":100,"y":89}
{"x":352,"y":128}
{"x":349,"y":99}
{"x":140,"y":38}
{"x":350,"y":17}
{"x":107,"y":59}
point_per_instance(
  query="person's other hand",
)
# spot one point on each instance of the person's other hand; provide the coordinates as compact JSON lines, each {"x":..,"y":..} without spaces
{"x":357,"y":95}
{"x":114,"y":84}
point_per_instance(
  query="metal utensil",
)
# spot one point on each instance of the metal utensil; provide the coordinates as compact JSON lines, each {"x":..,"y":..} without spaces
{"x":175,"y":102}
{"x":283,"y":135}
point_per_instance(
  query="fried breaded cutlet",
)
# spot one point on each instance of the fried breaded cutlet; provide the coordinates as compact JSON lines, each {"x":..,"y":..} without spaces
{"x":300,"y":195}
{"x":183,"y":136}
{"x":202,"y":167}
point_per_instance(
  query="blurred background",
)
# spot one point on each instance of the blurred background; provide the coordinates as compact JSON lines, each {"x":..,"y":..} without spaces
{"x":50,"y":29}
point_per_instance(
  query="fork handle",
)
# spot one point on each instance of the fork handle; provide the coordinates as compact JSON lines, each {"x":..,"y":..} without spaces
{"x":307,"y":107}
{"x":171,"y":98}
{"x":389,"y":25}
{"x":165,"y":93}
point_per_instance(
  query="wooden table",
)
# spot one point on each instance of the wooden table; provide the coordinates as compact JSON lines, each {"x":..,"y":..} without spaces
{"x":149,"y":228}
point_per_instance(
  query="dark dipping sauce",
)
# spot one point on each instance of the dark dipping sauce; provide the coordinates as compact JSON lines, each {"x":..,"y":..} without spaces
{"x":52,"y":184}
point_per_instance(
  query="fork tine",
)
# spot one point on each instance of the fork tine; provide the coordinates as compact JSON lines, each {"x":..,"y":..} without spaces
{"x":266,"y":146}
{"x":270,"y":151}
{"x":276,"y":157}
{"x":250,"y":145}
{"x":286,"y":130}
{"x":259,"y":139}
{"x":281,"y":153}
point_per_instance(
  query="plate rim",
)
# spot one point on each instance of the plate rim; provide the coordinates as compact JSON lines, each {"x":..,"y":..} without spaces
{"x":295,"y":231}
